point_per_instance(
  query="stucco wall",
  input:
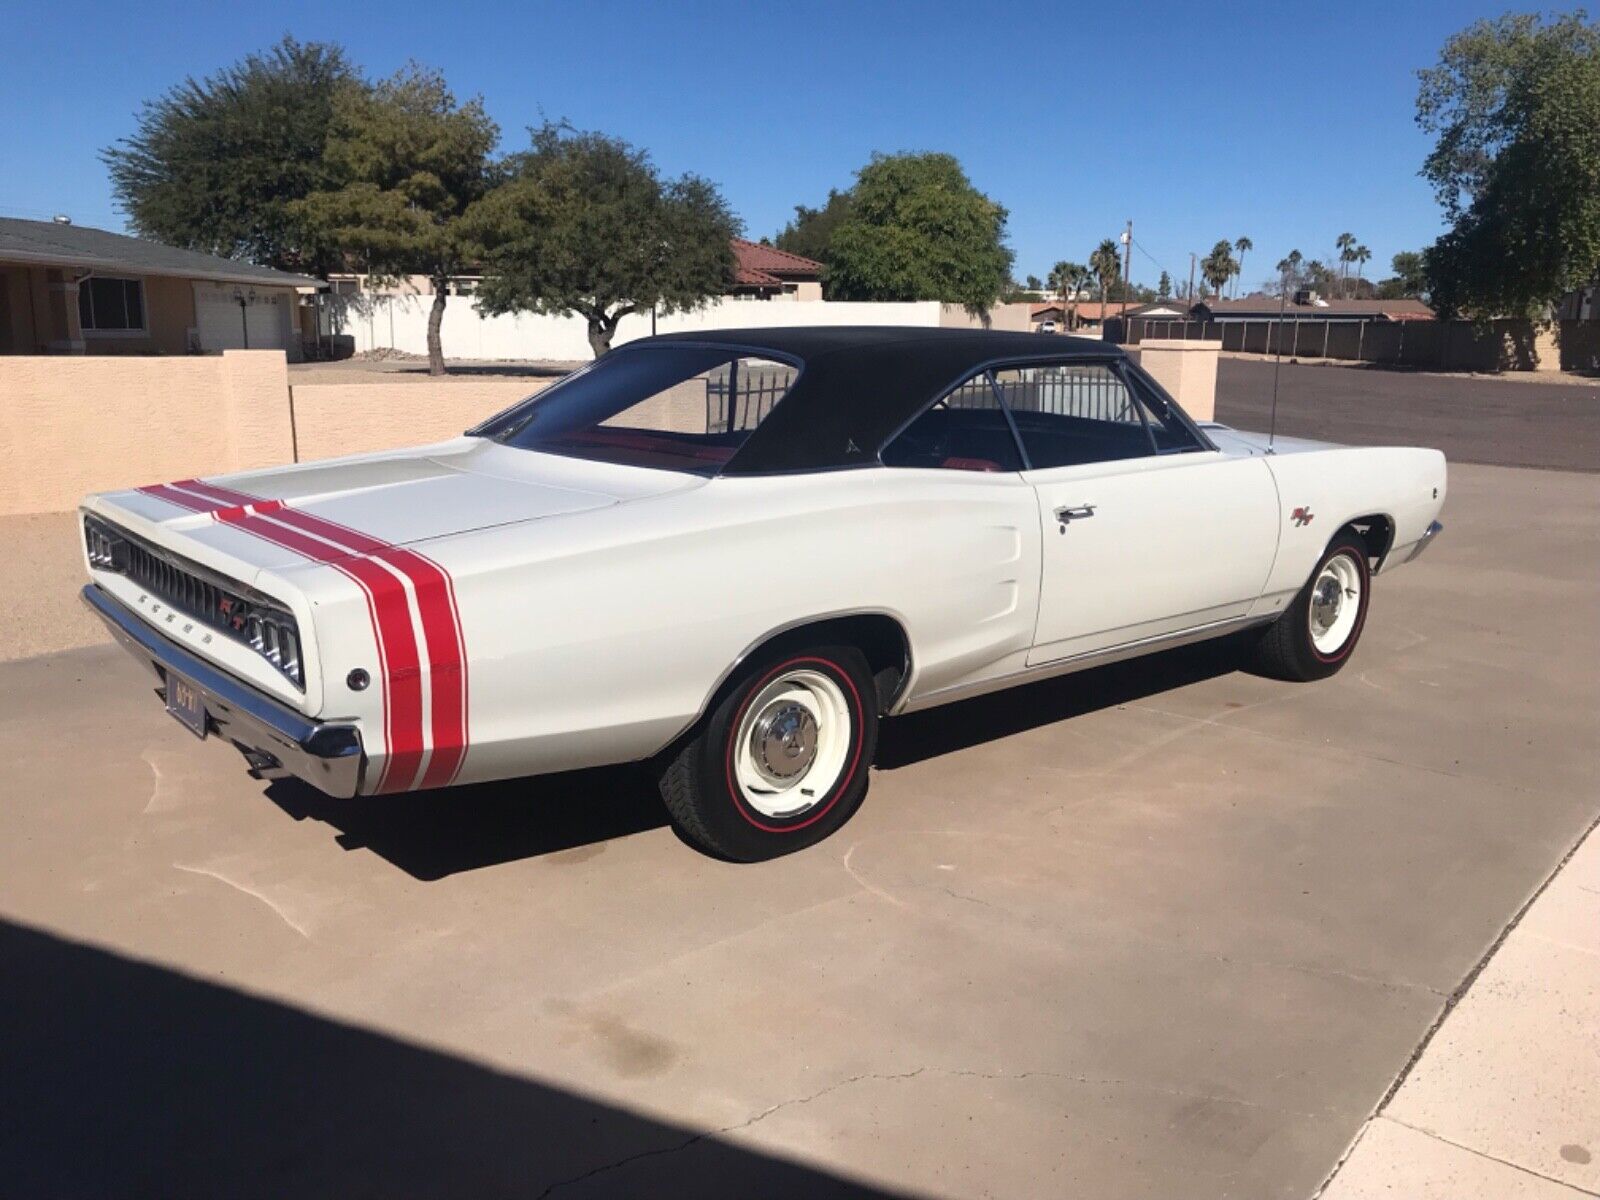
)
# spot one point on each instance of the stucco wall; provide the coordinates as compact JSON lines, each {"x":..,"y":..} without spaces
{"x":401,"y":323}
{"x":352,"y":418}
{"x":1187,"y":370}
{"x":77,"y":425}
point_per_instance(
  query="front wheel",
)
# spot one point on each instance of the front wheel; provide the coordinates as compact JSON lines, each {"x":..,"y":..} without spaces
{"x":782,"y":759}
{"x":1315,"y":635}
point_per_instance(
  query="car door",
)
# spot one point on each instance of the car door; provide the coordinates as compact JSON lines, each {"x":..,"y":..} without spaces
{"x":1147,"y":530}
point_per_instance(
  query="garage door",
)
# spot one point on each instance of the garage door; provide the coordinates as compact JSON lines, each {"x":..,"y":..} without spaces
{"x":224,"y":324}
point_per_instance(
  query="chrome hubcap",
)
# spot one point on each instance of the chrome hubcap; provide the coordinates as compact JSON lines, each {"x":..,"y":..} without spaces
{"x":783,"y":742}
{"x":1326,"y":601}
{"x":792,"y":744}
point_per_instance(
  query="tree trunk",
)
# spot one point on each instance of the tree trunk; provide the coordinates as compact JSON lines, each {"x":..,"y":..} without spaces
{"x":600,"y":330}
{"x":441,"y":285}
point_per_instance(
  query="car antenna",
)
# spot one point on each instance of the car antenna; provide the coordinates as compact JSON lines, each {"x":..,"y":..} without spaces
{"x":1272,"y":422}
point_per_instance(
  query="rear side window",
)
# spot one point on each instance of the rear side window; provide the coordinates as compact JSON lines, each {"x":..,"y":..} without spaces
{"x":965,"y":431}
{"x":682,"y":408}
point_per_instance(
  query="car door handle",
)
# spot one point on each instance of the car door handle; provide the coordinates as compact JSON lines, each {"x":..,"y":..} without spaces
{"x":1076,"y":512}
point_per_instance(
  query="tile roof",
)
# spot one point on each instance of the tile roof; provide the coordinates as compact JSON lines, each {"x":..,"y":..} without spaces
{"x":770,"y":264}
{"x":49,"y":243}
{"x":1086,"y":310}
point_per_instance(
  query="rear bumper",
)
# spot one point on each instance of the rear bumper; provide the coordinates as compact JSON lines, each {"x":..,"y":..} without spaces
{"x":1422,"y":543}
{"x":276,"y":740}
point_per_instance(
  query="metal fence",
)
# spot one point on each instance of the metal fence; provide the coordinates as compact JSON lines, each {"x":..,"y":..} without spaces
{"x":741,"y":396}
{"x":1092,"y":393}
{"x":1504,"y":344}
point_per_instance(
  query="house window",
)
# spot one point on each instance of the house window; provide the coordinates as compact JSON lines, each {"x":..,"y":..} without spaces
{"x":107,"y":304}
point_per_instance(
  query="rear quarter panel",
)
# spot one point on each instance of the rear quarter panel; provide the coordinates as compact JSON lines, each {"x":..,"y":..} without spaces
{"x":1339,"y":485}
{"x":598,"y":637}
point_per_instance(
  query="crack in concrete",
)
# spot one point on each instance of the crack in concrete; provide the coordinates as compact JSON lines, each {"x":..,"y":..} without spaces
{"x":900,"y":1077}
{"x":1449,"y":1006}
{"x":1494,"y":1158}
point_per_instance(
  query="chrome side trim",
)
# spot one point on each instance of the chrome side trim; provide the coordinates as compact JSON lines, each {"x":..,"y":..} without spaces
{"x":1434,"y":530}
{"x":276,"y":740}
{"x":1083,"y":662}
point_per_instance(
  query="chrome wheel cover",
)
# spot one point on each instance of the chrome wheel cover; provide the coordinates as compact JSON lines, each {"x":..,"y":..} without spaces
{"x":792,"y":743}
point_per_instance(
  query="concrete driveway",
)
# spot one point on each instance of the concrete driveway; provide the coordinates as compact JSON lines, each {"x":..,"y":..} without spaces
{"x":1161,"y":930}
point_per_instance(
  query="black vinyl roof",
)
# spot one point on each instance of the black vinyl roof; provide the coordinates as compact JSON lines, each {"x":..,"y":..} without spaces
{"x":859,"y":384}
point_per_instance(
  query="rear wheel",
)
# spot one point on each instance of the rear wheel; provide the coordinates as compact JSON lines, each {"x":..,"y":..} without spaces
{"x":1316,"y":634}
{"x":782,"y":759}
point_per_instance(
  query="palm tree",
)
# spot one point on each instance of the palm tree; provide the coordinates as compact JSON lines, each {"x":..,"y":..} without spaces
{"x":1105,"y":262}
{"x":1289,"y":269}
{"x":1066,"y":280}
{"x":1362,"y":255}
{"x":1344,"y":241}
{"x":1240,"y":245}
{"x":1218,"y":266}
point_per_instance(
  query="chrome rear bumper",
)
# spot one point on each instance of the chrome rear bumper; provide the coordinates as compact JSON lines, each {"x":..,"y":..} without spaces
{"x":275,"y":740}
{"x":1422,"y":543}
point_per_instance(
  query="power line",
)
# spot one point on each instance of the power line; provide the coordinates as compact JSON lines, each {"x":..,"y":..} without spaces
{"x":1167,"y":271}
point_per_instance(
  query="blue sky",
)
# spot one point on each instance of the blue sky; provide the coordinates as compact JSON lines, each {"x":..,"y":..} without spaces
{"x":1289,"y":123}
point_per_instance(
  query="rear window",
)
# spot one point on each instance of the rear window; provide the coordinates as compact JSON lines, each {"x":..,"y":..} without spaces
{"x":676,"y":408}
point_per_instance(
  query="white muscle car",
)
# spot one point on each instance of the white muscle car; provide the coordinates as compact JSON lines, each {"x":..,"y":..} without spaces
{"x":730,"y":555}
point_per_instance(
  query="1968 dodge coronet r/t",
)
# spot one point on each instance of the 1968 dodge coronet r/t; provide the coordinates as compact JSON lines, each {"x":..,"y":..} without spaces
{"x":729,"y":555}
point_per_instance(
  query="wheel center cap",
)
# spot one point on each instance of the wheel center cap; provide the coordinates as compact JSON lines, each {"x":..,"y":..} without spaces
{"x":1326,"y":602}
{"x":784,"y":741}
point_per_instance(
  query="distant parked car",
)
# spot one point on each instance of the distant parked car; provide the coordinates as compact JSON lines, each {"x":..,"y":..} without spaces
{"x":729,"y":556}
{"x":1047,"y":326}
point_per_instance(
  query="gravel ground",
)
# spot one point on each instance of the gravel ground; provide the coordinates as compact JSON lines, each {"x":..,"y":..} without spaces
{"x":41,"y":571}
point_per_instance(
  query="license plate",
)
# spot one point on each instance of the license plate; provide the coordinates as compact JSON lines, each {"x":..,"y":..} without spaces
{"x":184,"y":702}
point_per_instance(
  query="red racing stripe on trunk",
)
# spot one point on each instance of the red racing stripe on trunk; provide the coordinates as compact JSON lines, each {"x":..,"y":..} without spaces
{"x":441,"y":632}
{"x":172,"y":495}
{"x":398,"y":643}
{"x":436,"y":608}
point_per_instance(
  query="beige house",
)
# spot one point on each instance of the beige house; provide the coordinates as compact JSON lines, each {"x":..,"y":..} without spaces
{"x":70,"y":289}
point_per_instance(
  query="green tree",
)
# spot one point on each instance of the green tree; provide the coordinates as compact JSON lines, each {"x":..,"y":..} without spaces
{"x":810,"y":234}
{"x":1410,"y":277}
{"x":217,"y":164}
{"x":585,"y":224}
{"x":1164,"y":286}
{"x":411,"y":161}
{"x":1106,"y":264}
{"x":1360,"y":256}
{"x":1218,"y":266}
{"x":1034,"y":284}
{"x":1514,"y":103}
{"x":1240,"y":245}
{"x":918,"y":230}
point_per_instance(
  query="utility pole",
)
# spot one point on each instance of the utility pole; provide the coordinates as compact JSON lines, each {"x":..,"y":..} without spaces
{"x":1127,"y":255}
{"x":1190,"y":296}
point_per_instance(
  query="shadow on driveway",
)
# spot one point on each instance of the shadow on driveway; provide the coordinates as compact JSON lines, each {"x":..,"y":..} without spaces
{"x":119,"y":1078}
{"x":432,"y":835}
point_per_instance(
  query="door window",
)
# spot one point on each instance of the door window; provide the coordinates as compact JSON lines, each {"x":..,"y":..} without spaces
{"x":1072,"y":413}
{"x":1068,"y":414}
